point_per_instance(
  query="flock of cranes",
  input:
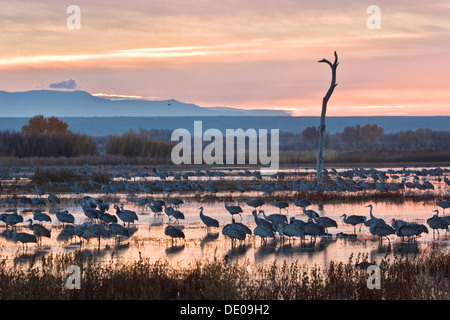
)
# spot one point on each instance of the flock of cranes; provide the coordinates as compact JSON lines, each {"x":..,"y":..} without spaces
{"x":133,"y":180}
{"x":102,"y":224}
{"x":268,"y":226}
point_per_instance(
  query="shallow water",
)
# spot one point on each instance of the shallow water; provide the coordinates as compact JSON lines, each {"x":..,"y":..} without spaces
{"x":149,"y":240}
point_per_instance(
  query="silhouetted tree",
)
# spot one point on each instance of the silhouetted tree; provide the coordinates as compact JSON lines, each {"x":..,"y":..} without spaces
{"x":333,"y":84}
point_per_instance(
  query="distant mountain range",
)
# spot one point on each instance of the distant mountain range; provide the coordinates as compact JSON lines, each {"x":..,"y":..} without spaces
{"x":83,"y":104}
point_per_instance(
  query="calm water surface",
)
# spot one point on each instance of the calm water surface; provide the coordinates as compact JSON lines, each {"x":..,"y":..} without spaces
{"x":149,"y":240}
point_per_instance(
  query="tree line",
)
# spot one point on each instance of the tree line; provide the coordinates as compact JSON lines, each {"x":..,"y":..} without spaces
{"x":367,"y":137}
{"x":50,"y":137}
{"x":45,"y":137}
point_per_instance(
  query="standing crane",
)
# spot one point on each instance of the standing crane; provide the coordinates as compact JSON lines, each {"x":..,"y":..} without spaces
{"x":233,"y":209}
{"x":208,"y":221}
{"x":353,"y":220}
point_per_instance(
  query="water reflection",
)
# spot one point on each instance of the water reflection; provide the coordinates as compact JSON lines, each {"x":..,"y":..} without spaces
{"x":147,"y":236}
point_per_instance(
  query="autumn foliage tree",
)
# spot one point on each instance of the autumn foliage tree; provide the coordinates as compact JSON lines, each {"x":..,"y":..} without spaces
{"x":45,"y":137}
{"x":50,"y":126}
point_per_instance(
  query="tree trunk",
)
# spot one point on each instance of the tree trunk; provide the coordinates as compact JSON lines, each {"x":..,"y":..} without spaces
{"x":333,"y":84}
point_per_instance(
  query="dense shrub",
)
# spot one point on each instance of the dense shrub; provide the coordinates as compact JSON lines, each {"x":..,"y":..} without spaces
{"x":137,"y":144}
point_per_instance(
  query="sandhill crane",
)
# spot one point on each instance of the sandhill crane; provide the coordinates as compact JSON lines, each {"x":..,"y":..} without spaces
{"x":130,"y":212}
{"x":298,"y":223}
{"x":99,"y":231}
{"x":67,"y":232}
{"x":242,"y":227}
{"x":354,"y":220}
{"x":175,"y":201}
{"x":104,"y":206}
{"x":107,"y":218}
{"x":437,"y":223}
{"x":89,"y":209}
{"x":443,"y":204}
{"x":302,"y":203}
{"x":397,"y":224}
{"x":263,"y":232}
{"x":53,"y":199}
{"x":25,"y":200}
{"x":233,"y":232}
{"x":278,"y":220}
{"x":38,"y":201}
{"x":174,"y":232}
{"x":313,"y":229}
{"x":12,"y":219}
{"x":411,"y":230}
{"x":233,"y":209}
{"x":89,"y":202}
{"x":39,"y":231}
{"x":208,"y":221}
{"x":11,"y":201}
{"x":381,"y":231}
{"x":125,"y":217}
{"x":255,"y":203}
{"x":42,"y":217}
{"x":118,"y":230}
{"x":281,"y":204}
{"x":156,"y":208}
{"x":24,"y":237}
{"x":170,"y":211}
{"x":325,"y":222}
{"x":309,"y":213}
{"x":65,"y":217}
{"x":263,"y":222}
{"x":290,"y":230}
{"x":373,"y":219}
{"x":39,"y":192}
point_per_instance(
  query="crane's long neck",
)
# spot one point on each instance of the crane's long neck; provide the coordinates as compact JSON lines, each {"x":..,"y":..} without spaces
{"x":201,"y":212}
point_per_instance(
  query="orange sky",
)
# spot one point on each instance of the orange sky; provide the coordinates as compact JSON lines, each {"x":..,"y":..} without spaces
{"x":239,"y":53}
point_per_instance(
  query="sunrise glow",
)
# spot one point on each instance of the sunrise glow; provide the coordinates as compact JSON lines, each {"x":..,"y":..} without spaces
{"x":245,"y":54}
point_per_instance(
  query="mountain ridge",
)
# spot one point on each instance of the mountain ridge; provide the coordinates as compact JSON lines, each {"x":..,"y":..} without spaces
{"x":78,"y":103}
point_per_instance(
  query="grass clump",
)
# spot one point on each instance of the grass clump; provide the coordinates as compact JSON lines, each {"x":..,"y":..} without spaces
{"x":419,"y":277}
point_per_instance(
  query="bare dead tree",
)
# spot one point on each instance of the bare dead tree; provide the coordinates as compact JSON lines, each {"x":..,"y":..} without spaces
{"x":333,"y":84}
